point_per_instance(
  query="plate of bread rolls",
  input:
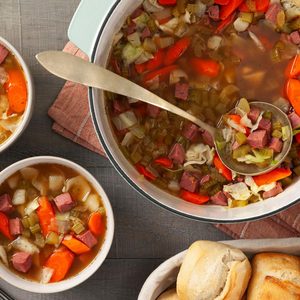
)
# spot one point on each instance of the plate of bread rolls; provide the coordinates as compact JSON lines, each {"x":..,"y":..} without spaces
{"x":265,"y":269}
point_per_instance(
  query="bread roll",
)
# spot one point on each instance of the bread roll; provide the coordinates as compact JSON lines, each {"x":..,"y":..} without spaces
{"x":169,"y":295}
{"x":213,"y":271}
{"x":275,"y":277}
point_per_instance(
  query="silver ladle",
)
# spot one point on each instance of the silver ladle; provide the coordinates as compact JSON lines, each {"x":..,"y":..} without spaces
{"x":75,"y":69}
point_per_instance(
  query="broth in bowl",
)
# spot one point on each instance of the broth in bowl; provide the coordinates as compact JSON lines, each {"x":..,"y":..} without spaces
{"x":53,"y":223}
{"x":13,"y":94}
{"x":204,"y":56}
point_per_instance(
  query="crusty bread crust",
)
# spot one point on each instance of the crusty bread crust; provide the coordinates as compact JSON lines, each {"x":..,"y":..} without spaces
{"x":275,"y":277}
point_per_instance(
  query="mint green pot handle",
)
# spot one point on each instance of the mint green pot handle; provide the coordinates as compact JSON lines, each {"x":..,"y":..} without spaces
{"x":87,"y":22}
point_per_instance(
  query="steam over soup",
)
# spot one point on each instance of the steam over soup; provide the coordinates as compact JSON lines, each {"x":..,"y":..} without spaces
{"x":203,"y":56}
{"x":52,"y":223}
{"x":13,"y":94}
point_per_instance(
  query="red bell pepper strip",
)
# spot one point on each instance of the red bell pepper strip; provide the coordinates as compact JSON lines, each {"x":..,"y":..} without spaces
{"x":177,"y":50}
{"x":4,"y":226}
{"x":224,"y":24}
{"x":167,"y":2}
{"x":207,"y":67}
{"x":293,"y":68}
{"x":222,"y":168}
{"x":222,"y":2}
{"x":160,"y":72}
{"x":229,"y":9}
{"x":147,"y":174}
{"x":292,"y":89}
{"x":193,"y":197}
{"x":164,"y":161}
{"x":273,"y":176}
{"x":156,"y":61}
{"x":262,"y":5}
{"x":46,"y":216}
{"x":140,"y":68}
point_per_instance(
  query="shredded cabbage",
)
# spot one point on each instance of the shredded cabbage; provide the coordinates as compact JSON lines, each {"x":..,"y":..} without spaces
{"x":199,"y":154}
{"x":130,"y":53}
{"x":255,"y":188}
{"x":238,"y":191}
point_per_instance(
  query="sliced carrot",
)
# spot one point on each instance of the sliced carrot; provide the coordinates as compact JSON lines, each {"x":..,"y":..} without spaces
{"x":273,"y":176}
{"x":76,"y":246}
{"x":244,"y":7}
{"x":235,"y":118}
{"x":262,"y":5}
{"x":167,"y":2}
{"x":4,"y":226}
{"x":177,"y":50}
{"x":292,"y":89}
{"x":161,"y":73}
{"x":61,"y":262}
{"x":193,"y":197}
{"x":227,"y":10}
{"x":96,"y":224}
{"x":206,"y":67}
{"x":16,"y":90}
{"x":224,"y":24}
{"x":46,"y":216}
{"x":293,"y":68}
{"x":222,"y":169}
{"x":164,"y":161}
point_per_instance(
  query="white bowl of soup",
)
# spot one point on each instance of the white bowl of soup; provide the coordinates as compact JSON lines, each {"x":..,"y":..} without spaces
{"x":16,"y":94}
{"x":203,"y":57}
{"x":57,"y":224}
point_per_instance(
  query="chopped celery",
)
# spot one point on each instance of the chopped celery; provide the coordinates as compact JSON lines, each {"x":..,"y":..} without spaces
{"x":78,"y":227}
{"x":33,"y":219}
{"x":26,"y":233}
{"x":277,"y":125}
{"x":142,"y":20}
{"x":253,"y":199}
{"x":52,"y":238}
{"x":240,"y":138}
{"x":241,"y":151}
{"x":25,"y":222}
{"x":244,"y":105}
{"x":277,"y":134}
{"x":267,"y":115}
{"x":39,"y":240}
{"x":246,"y":17}
{"x":239,"y":203}
{"x":285,"y":133}
{"x":101,"y":210}
{"x":130,"y":53}
{"x":35,"y":228}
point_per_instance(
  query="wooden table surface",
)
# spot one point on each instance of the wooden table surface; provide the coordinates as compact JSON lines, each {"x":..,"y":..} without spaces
{"x":145,"y":234}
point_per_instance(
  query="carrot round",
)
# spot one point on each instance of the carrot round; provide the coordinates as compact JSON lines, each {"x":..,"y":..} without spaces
{"x":293,"y":68}
{"x":262,"y":5}
{"x":16,"y":90}
{"x":273,"y":176}
{"x":177,"y":50}
{"x":46,"y":216}
{"x":193,"y":197}
{"x":4,"y":226}
{"x":96,"y":224}
{"x":206,"y":67}
{"x":76,"y":246}
{"x":222,"y":168}
{"x":60,"y":262}
{"x":293,"y":93}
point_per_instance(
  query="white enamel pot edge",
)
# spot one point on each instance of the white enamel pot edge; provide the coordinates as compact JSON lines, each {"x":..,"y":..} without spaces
{"x":98,"y":47}
{"x":71,"y":282}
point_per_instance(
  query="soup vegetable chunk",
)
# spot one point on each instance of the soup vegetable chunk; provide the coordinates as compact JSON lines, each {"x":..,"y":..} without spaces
{"x":52,"y":223}
{"x":13,"y":94}
{"x":204,"y":56}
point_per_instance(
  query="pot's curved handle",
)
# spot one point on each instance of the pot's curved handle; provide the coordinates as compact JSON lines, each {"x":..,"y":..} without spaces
{"x":87,"y":21}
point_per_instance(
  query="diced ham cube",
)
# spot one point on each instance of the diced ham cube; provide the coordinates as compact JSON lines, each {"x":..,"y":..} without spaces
{"x":64,"y":202}
{"x":265,"y":124}
{"x":145,"y":33}
{"x":189,"y":182}
{"x":274,"y":192}
{"x":272,"y":12}
{"x":258,"y":139}
{"x":153,"y":111}
{"x":88,"y":239}
{"x":219,"y":199}
{"x":294,"y":119}
{"x":136,"y":13}
{"x":214,"y":12}
{"x":190,"y":131}
{"x":6,"y":204}
{"x":22,"y":261}
{"x":182,"y":91}
{"x":120,"y":106}
{"x":254,"y":114}
{"x":295,"y":37}
{"x":177,"y":153}
{"x":276,"y":144}
{"x":205,"y":179}
{"x":3,"y":53}
{"x":15,"y":226}
{"x":131,"y":28}
{"x":208,"y":139}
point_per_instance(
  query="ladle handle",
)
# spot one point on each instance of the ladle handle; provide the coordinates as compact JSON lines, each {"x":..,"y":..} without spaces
{"x":78,"y":70}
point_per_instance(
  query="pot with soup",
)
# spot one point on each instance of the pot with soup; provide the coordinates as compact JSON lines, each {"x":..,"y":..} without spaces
{"x":203,"y":56}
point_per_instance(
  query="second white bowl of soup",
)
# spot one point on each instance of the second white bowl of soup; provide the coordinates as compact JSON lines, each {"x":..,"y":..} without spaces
{"x":56,"y":226}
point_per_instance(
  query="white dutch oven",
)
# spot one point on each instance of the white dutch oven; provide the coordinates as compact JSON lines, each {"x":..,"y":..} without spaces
{"x":92,"y":30}
{"x":71,"y":282}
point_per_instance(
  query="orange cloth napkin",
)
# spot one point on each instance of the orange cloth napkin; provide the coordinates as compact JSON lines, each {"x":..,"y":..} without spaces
{"x":72,"y":119}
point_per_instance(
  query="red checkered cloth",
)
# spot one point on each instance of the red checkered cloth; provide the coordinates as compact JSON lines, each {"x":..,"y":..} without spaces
{"x":72,"y":119}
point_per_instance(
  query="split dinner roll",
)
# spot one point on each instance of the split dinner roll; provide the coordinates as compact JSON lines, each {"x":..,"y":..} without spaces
{"x":213,"y":271}
{"x":169,"y":295}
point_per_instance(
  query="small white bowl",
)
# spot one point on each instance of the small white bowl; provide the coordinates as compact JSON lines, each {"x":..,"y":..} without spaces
{"x":165,"y":275}
{"x":71,"y":282}
{"x":30,"y":97}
